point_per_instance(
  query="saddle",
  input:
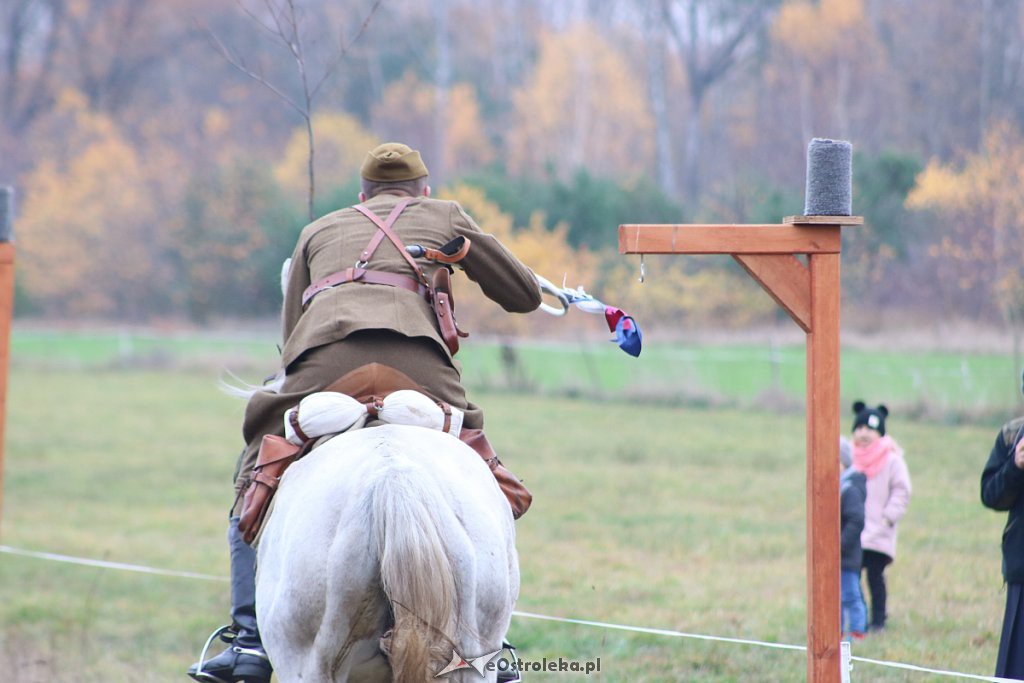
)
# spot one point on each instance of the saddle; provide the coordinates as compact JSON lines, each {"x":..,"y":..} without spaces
{"x":370,"y":385}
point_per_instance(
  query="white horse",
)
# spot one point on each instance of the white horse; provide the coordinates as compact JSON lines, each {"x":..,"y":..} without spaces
{"x":395,"y":529}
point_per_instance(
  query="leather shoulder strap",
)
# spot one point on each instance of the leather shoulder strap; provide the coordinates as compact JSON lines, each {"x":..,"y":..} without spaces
{"x":379,"y":235}
{"x":384,"y":230}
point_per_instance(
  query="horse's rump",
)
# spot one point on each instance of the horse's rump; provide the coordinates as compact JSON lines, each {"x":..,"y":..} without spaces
{"x":386,"y":527}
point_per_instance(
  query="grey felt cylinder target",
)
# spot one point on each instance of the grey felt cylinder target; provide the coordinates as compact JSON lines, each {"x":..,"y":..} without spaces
{"x":6,"y":213}
{"x":829,"y":189}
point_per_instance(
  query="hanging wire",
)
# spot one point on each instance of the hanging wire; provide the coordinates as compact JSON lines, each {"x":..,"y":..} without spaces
{"x":636,"y":247}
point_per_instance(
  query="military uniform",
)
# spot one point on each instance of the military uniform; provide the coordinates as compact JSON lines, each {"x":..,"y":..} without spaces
{"x":356,"y":323}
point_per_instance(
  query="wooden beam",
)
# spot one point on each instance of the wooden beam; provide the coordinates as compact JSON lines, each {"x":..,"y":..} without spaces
{"x":823,"y":527}
{"x":823,"y":220}
{"x":786,"y":280}
{"x":727,"y":239}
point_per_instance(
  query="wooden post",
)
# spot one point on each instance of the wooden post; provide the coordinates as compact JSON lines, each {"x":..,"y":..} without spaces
{"x":823,"y":525}
{"x":6,"y":312}
{"x":810,"y":295}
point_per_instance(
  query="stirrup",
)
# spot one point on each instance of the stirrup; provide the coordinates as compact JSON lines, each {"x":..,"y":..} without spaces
{"x":514,"y":674}
{"x":227,"y":633}
{"x":252,"y":652}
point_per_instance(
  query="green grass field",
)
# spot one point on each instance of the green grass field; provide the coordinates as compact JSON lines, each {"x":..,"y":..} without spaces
{"x":681,"y":518}
{"x":944,"y":386}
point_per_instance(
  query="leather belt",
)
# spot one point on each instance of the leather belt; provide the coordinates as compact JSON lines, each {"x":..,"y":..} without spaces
{"x":364,"y":276}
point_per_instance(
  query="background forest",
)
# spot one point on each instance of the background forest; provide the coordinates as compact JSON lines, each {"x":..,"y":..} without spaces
{"x":159,"y":150}
{"x":159,"y":147}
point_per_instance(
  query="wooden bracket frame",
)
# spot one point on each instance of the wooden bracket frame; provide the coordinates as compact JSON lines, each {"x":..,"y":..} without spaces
{"x":810,"y":295}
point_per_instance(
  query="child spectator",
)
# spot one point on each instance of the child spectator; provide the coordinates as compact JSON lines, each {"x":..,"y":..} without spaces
{"x":880,"y":458}
{"x":852,"y":492}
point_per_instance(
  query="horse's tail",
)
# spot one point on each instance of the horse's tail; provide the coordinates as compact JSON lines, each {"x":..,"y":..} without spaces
{"x":416,"y":572}
{"x":239,"y":388}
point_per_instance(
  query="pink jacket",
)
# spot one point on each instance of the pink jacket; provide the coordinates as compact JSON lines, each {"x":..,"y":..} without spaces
{"x":886,"y":503}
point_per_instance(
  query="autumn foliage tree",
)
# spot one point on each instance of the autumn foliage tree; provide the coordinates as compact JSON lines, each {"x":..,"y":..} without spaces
{"x":583,"y":107}
{"x":408,"y":112}
{"x":93,"y":228}
{"x":342,"y":142}
{"x":234,"y":231}
{"x":979,"y":249}
{"x":154,"y":180}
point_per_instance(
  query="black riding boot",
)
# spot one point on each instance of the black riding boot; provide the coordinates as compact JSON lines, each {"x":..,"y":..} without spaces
{"x":245,"y":659}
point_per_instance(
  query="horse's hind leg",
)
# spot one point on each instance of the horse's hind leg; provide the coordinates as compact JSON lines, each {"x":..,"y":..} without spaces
{"x":321,"y":606}
{"x":347,"y":647}
{"x":484,"y":611}
{"x":330,"y":632}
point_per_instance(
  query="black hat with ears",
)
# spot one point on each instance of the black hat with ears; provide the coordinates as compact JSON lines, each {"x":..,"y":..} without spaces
{"x":871,"y":417}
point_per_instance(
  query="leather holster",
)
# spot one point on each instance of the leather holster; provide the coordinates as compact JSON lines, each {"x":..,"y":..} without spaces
{"x":444,"y":309}
{"x":517,"y":494}
{"x":276,"y":453}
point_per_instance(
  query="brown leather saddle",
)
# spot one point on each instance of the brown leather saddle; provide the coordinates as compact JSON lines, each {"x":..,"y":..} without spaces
{"x":369,"y":385}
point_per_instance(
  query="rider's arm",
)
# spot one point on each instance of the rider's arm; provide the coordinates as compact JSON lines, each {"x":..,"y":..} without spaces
{"x":297,"y":282}
{"x":502,"y":277}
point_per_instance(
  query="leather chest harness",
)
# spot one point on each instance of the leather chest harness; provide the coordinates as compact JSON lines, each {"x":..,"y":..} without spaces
{"x":438,"y":293}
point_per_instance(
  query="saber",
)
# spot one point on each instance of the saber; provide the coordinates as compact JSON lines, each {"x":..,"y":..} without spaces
{"x":627,"y":331}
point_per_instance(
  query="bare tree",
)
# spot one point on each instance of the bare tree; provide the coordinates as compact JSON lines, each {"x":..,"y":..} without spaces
{"x":654,"y":36}
{"x":1002,"y":63}
{"x":711,"y":39}
{"x":29,"y":27}
{"x":283,"y":23}
{"x":442,"y":83}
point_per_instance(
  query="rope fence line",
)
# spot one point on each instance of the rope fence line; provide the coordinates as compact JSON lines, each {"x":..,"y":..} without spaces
{"x":758,"y":643}
{"x":142,"y":569}
{"x":53,"y":557}
{"x":660,"y":631}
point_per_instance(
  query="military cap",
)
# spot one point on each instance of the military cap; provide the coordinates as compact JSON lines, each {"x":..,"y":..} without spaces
{"x":392,"y":162}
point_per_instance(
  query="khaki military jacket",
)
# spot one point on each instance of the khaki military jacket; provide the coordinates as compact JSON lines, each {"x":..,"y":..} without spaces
{"x":336,"y":241}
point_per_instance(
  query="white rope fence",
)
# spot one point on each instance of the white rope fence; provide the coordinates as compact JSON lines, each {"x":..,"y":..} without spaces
{"x":53,"y":557}
{"x":141,"y":569}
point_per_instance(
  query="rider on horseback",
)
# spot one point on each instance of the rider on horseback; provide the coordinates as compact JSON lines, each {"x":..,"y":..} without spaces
{"x":353,"y":297}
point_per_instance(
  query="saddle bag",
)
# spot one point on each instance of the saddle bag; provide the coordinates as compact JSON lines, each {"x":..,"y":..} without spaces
{"x":276,"y":454}
{"x":444,"y":309}
{"x":518,"y":496}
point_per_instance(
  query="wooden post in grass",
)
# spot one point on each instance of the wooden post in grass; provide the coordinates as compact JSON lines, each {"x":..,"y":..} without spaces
{"x":6,"y":311}
{"x":810,"y":295}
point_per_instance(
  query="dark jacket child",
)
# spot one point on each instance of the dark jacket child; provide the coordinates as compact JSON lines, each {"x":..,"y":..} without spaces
{"x":852,"y":492}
